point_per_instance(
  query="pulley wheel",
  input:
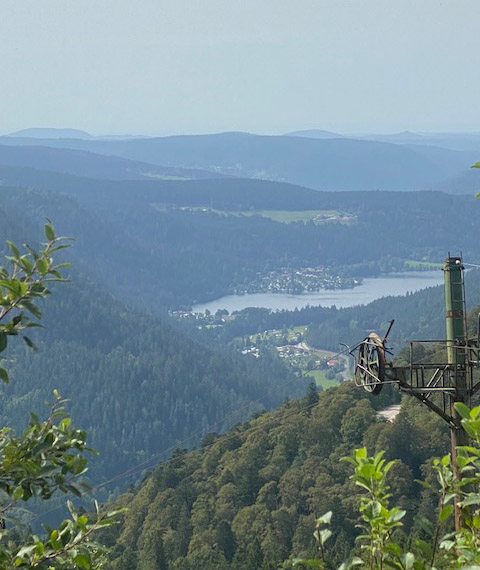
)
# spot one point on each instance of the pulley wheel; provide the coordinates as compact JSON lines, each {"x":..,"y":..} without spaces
{"x":370,"y":369}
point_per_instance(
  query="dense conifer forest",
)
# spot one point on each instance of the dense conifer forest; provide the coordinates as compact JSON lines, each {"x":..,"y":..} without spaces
{"x":138,"y":385}
{"x":249,"y":498}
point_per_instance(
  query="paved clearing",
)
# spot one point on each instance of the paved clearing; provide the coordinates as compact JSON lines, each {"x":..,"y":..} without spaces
{"x":390,"y":413}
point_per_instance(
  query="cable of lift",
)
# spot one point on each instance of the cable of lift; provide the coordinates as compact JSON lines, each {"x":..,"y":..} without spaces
{"x":156,"y":456}
{"x":163,"y":455}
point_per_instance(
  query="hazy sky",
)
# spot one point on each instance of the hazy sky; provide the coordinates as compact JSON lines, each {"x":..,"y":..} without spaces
{"x":269,"y":66}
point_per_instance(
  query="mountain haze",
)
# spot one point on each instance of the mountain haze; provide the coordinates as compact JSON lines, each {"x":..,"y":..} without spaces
{"x":323,"y":164}
{"x":454,"y":141}
{"x":48,"y":133}
{"x":90,"y":164}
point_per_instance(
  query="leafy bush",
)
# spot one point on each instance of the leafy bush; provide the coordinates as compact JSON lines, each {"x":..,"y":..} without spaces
{"x":380,"y":547}
{"x":48,"y":456}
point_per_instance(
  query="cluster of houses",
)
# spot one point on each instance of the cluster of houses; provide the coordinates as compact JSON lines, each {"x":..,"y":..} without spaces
{"x":295,"y":351}
{"x":205,"y":319}
{"x":294,"y":281}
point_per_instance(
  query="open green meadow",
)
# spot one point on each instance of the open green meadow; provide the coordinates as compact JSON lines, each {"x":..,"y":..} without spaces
{"x":281,"y":216}
{"x":413,"y":264}
{"x":289,"y":216}
{"x":321,"y":380}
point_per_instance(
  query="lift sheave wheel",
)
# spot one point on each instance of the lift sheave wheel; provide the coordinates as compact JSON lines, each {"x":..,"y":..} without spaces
{"x":370,"y":370}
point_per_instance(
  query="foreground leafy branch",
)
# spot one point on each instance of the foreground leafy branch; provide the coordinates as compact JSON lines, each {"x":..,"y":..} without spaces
{"x":23,"y":281}
{"x":378,"y":548}
{"x":48,"y":456}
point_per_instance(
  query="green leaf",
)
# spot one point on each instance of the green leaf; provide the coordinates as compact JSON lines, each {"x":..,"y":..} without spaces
{"x":73,"y":490}
{"x":117,"y":512}
{"x":361,"y":453}
{"x":448,"y":497}
{"x":3,"y":341}
{"x":398,"y":515}
{"x":409,"y":560}
{"x":469,"y":449}
{"x":49,"y":231}
{"x":462,"y":409}
{"x":14,"y":248}
{"x":106,"y":522}
{"x":36,"y":312}
{"x":18,"y":494}
{"x":474,"y":412}
{"x":4,"y":375}
{"x":64,"y":246}
{"x":471,"y":500}
{"x":445,"y":513}
{"x":63,"y":265}
{"x":325,"y":535}
{"x":26,"y":264}
{"x":388,"y":466}
{"x":39,"y":549}
{"x":42,"y":266}
{"x":424,"y":547}
{"x":65,"y":424}
{"x":29,"y":342}
{"x":25,"y":550}
{"x":325,"y":519}
{"x":54,"y":540}
{"x":393,"y":548}
{"x":83,"y":561}
{"x":366,"y":470}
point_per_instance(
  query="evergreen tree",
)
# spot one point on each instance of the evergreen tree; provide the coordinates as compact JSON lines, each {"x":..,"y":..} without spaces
{"x":225,"y":539}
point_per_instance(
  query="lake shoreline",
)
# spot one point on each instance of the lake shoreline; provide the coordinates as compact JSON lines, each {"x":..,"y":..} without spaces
{"x":372,"y":288}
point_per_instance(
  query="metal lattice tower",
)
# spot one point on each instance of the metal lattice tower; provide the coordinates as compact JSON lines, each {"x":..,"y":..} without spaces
{"x":437,"y":385}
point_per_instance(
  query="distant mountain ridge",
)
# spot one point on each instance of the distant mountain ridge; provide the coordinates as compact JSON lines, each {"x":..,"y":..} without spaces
{"x":449,"y":140}
{"x":322,"y":164}
{"x":452,"y":141}
{"x":50,"y":133}
{"x":54,"y":133}
{"x":316,"y":134}
{"x":90,"y":164}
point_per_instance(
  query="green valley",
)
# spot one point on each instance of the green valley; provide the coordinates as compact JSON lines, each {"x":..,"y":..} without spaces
{"x":239,"y":285}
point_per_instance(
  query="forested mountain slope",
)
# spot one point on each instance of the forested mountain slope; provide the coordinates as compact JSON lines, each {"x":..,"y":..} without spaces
{"x":249,"y":499}
{"x":328,"y":164}
{"x":138,"y":384}
{"x":170,"y":243}
{"x":171,"y":227}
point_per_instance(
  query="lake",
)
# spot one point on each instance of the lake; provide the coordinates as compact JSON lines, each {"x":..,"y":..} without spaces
{"x":372,"y":288}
